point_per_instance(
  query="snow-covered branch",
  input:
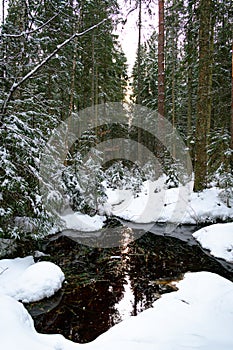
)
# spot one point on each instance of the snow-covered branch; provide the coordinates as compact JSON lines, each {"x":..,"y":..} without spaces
{"x":16,"y":85}
{"x":31,"y":31}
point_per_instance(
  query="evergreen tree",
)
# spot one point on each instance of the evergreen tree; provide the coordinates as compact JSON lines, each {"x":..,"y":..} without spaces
{"x":174,"y":52}
{"x":42,"y":68}
{"x":20,"y":140}
{"x":198,"y":40}
{"x":102,"y":62}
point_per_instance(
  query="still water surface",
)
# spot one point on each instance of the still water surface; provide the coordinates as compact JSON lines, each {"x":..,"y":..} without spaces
{"x":104,"y":286}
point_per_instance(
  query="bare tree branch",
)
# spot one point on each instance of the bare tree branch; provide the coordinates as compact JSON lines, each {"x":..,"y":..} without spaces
{"x":16,"y":85}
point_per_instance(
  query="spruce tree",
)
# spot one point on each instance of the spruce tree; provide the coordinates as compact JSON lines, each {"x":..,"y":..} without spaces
{"x":34,"y":106}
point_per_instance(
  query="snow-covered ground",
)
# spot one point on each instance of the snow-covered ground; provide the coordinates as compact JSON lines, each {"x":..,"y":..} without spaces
{"x":83,"y":222}
{"x":218,"y":239}
{"x":180,"y":205}
{"x":199,"y":315}
{"x":156,"y":203}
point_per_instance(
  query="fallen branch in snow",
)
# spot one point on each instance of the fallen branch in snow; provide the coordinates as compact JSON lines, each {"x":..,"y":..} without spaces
{"x":3,"y":270}
{"x":194,"y":216}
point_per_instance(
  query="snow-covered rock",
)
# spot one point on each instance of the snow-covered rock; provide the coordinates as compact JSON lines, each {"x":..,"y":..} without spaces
{"x":17,"y":330}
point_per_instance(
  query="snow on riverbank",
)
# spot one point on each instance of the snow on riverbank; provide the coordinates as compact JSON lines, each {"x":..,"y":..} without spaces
{"x":207,"y":207}
{"x":155,"y":203}
{"x":24,"y":280}
{"x":175,"y":205}
{"x":198,"y":315}
{"x":83,"y":222}
{"x":218,"y":239}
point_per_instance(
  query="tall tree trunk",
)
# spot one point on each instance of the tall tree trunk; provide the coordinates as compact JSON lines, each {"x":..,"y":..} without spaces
{"x":139,"y":53}
{"x":3,"y":11}
{"x":139,"y":74}
{"x":232,"y":102}
{"x":174,"y":38}
{"x":204,"y":93}
{"x":72,"y":87}
{"x":93,"y":86}
{"x":161,"y":75}
{"x":189,"y":36}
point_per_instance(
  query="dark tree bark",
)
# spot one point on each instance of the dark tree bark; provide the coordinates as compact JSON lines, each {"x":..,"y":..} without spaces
{"x":139,"y":73}
{"x":232,"y":101}
{"x":190,"y":48}
{"x":3,"y":11}
{"x":161,"y":75}
{"x":204,"y":98}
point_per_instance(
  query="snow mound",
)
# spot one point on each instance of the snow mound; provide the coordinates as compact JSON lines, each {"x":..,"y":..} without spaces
{"x":83,"y":222}
{"x":25,"y":280}
{"x":144,"y":207}
{"x":218,"y":239}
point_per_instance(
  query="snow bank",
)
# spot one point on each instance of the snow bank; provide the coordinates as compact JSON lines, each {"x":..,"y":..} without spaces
{"x":207,"y":207}
{"x":155,"y":203}
{"x":17,"y":330}
{"x":25,"y":280}
{"x":218,"y":239}
{"x":144,"y":207}
{"x":199,"y":315}
{"x":82,"y":222}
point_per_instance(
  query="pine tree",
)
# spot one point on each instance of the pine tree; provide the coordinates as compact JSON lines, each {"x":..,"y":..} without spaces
{"x":219,"y":149}
{"x":19,"y":139}
{"x":190,"y":68}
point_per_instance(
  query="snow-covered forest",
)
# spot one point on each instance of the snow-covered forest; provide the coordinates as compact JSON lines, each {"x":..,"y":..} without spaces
{"x":122,"y":162}
{"x":59,"y":57}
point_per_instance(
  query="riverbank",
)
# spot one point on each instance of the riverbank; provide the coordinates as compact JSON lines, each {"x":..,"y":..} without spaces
{"x":140,"y":278}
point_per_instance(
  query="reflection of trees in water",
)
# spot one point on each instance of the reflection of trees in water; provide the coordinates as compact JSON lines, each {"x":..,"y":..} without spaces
{"x":156,"y":261}
{"x":95,"y":283}
{"x":96,"y":280}
{"x":148,"y":274}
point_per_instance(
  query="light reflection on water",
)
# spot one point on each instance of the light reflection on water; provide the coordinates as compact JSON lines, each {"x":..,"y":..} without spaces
{"x":125,"y":305}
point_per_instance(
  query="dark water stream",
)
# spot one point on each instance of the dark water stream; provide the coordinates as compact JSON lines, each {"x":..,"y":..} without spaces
{"x":106,"y":285}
